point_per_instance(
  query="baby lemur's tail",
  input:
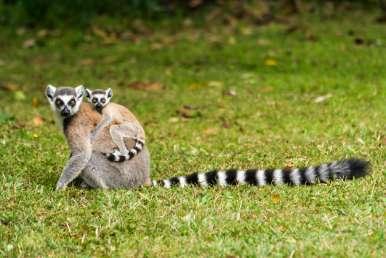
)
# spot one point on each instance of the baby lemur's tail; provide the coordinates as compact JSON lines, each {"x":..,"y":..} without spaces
{"x":117,"y":156}
{"x":343,"y":169}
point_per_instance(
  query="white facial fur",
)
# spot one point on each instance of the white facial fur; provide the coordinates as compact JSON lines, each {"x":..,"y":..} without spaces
{"x":99,"y":98}
{"x":65,"y":101}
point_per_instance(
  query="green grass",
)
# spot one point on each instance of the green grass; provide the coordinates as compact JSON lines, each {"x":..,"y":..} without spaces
{"x":272,"y":121}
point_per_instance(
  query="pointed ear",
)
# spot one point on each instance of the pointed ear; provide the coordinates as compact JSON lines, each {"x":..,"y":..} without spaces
{"x":50,"y":92}
{"x":109,"y":92}
{"x":79,"y":90}
{"x":88,"y":93}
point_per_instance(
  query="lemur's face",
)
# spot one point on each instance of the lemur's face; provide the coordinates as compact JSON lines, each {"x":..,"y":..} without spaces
{"x":99,"y":98}
{"x":65,"y":101}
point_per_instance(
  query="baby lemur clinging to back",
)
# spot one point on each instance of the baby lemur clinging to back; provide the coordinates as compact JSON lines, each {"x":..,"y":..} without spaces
{"x":123,"y":124}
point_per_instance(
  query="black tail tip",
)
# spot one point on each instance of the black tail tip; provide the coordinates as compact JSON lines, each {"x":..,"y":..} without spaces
{"x":358,"y":167}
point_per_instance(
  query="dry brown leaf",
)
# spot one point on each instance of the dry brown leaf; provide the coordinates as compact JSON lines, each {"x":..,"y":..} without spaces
{"x":195,"y":3}
{"x":263,"y":42}
{"x":42,"y":33}
{"x":148,"y":86}
{"x":108,"y":38}
{"x":9,"y":86}
{"x":35,"y":102}
{"x":37,"y":121}
{"x":29,"y":43}
{"x":87,"y":61}
{"x":230,"y":92}
{"x":266,"y":89}
{"x":188,"y":112}
{"x":383,"y":140}
{"x":210,"y":131}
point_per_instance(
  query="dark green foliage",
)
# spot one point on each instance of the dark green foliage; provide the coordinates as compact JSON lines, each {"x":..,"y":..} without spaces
{"x":46,"y":12}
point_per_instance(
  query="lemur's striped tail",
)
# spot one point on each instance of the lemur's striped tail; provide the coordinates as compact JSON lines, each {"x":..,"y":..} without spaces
{"x":117,"y":156}
{"x":343,"y":169}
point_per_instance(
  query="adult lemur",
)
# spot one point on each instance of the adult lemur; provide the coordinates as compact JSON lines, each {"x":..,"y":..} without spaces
{"x":88,"y":162}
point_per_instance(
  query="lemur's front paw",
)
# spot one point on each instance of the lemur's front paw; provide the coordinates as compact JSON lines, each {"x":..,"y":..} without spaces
{"x":60,"y":186}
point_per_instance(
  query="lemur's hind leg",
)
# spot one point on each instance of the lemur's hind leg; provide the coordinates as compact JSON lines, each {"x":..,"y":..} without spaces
{"x":120,"y":132}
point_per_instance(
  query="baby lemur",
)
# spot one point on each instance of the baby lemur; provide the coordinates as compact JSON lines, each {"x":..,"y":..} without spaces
{"x":123,"y":125}
{"x":87,"y":161}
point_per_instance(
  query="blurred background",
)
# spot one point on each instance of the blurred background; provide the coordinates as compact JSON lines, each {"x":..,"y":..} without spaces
{"x":82,"y":13}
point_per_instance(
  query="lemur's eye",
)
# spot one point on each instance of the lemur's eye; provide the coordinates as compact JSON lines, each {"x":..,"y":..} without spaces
{"x":72,"y":102}
{"x":103,"y":100}
{"x":59,"y":102}
{"x":94,"y":100}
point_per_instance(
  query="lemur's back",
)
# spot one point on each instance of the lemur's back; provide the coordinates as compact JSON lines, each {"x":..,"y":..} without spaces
{"x":121,"y":114}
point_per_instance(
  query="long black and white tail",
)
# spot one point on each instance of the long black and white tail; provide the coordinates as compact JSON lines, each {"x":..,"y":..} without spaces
{"x":117,"y":156}
{"x":343,"y":169}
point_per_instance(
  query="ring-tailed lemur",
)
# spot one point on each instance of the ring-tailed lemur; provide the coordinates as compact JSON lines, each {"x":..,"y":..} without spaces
{"x":89,"y":164}
{"x":123,"y":124}
{"x":87,"y":161}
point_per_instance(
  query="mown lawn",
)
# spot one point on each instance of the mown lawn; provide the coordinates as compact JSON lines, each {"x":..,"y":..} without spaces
{"x":234,"y":96}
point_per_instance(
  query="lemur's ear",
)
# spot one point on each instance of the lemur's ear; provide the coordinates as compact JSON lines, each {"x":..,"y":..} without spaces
{"x":50,"y":91}
{"x":88,"y":93}
{"x":79,"y":91}
{"x":109,"y":92}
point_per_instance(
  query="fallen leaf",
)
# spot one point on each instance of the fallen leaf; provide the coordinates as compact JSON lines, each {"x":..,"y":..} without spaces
{"x":173,"y":120}
{"x":230,"y":92}
{"x":321,"y":99}
{"x":266,"y":89}
{"x":35,"y":102}
{"x":108,"y":38}
{"x":263,"y":42}
{"x":20,"y":31}
{"x":37,"y":121}
{"x":195,"y":3}
{"x":87,"y":61}
{"x":275,"y":198}
{"x":246,"y":31}
{"x":270,"y":62}
{"x":383,"y":140}
{"x":29,"y":43}
{"x":42,"y":33}
{"x":148,"y":86}
{"x":210,"y":131}
{"x":188,"y":112}
{"x":9,"y":86}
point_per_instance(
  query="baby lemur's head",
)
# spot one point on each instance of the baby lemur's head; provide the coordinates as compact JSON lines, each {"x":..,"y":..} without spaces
{"x":99,"y":98}
{"x":65,"y":101}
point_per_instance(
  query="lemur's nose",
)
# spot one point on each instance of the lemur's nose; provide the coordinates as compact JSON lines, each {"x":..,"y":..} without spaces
{"x":65,"y":112}
{"x":99,"y":105}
